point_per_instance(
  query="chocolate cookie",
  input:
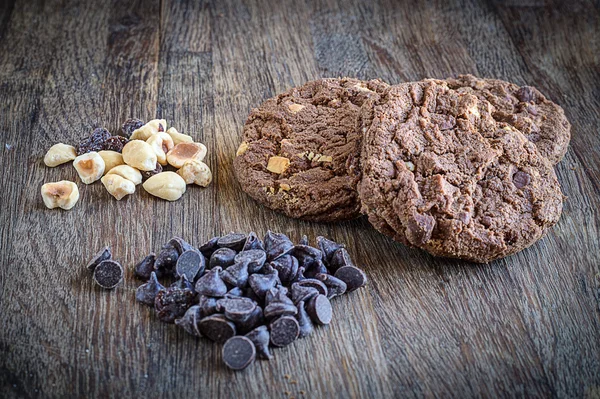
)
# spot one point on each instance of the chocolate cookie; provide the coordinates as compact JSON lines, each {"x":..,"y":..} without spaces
{"x":440,"y":173}
{"x":525,"y":108}
{"x":300,"y":150}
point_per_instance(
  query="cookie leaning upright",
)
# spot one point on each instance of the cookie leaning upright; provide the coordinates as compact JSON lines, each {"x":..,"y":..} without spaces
{"x":440,"y":173}
{"x":300,"y":150}
{"x":543,"y":122}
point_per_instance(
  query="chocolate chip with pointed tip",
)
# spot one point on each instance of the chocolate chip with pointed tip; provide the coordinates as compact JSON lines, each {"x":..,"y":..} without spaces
{"x":335,"y":286}
{"x":304,"y":321}
{"x":254,"y":257}
{"x":236,"y":274}
{"x":277,"y":244}
{"x":303,"y":240}
{"x":172,"y":303}
{"x":238,"y":352}
{"x":211,"y":283}
{"x":189,"y":321}
{"x":311,"y":282}
{"x":208,"y":305}
{"x":315,"y":268}
{"x":300,"y":275}
{"x":276,"y":309}
{"x":260,"y":337}
{"x":180,"y":245}
{"x":166,"y":260}
{"x":277,"y":294}
{"x":234,"y":241}
{"x":284,"y":331}
{"x":145,"y":267}
{"x":261,"y":283}
{"x":253,"y":242}
{"x":184,"y":284}
{"x":328,"y":247}
{"x":303,"y":293}
{"x":235,"y":292}
{"x":223,"y":257}
{"x":217,"y":328}
{"x":319,"y":309}
{"x":102,"y":255}
{"x":306,"y":254}
{"x":255,"y":319}
{"x":190,"y":264}
{"x":237,"y":310}
{"x":146,"y":293}
{"x":352,"y":276}
{"x":108,"y":274}
{"x":209,"y":247}
{"x":340,"y":258}
{"x":286,"y":266}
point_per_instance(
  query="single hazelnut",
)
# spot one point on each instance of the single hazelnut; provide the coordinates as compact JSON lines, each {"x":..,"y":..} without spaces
{"x":161,"y":143}
{"x":111,"y":159}
{"x":140,"y":155}
{"x":278,"y":164}
{"x":166,"y":185}
{"x":127,"y":172}
{"x":89,"y":166}
{"x":184,"y":152}
{"x":195,"y":172}
{"x":118,"y":186}
{"x":63,"y":194}
{"x":58,"y":154}
{"x":179,"y":138}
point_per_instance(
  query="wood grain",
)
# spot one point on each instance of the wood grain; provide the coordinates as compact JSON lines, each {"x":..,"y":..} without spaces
{"x":524,"y":326}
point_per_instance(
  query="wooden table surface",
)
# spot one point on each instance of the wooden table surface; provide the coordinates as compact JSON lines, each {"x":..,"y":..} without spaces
{"x":525,"y":326}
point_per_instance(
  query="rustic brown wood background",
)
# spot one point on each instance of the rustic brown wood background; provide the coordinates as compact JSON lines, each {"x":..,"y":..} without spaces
{"x":526,"y":326}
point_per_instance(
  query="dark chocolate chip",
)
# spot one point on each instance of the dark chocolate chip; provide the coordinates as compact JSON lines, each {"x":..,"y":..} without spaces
{"x":108,"y":274}
{"x":319,"y":309}
{"x":304,"y":321}
{"x":237,"y":310}
{"x":261,"y":283}
{"x":102,"y":255}
{"x":260,"y":337}
{"x":284,"y":330}
{"x":521,"y":179}
{"x":172,"y":303}
{"x":303,"y":293}
{"x":217,"y":328}
{"x":223,"y":257}
{"x":300,"y":275}
{"x":180,"y":245}
{"x":315,"y":268}
{"x":183,"y":283}
{"x":352,"y":276}
{"x":211,"y":283}
{"x":254,"y":257}
{"x":526,"y":94}
{"x":208,"y":305}
{"x":307,"y":254}
{"x":276,"y":309}
{"x":209,"y":247}
{"x":311,"y":282}
{"x":235,"y":292}
{"x":189,"y":321}
{"x":277,"y":294}
{"x":253,"y":242}
{"x":277,"y":244}
{"x":286,"y":266}
{"x":166,"y":260}
{"x":340,"y":258}
{"x":255,"y":319}
{"x":236,"y":274}
{"x":145,"y":267}
{"x":146,"y":293}
{"x":238,"y":352}
{"x":328,"y":247}
{"x":335,"y":286}
{"x":190,"y":264}
{"x":234,"y":241}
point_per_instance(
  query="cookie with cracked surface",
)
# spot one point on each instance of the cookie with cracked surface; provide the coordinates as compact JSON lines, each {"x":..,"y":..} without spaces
{"x":301,"y":149}
{"x":525,"y":108}
{"x":440,"y":173}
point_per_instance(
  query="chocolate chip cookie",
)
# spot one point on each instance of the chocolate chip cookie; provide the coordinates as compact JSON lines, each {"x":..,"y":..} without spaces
{"x":300,"y":152}
{"x":525,"y":108}
{"x":442,"y":174}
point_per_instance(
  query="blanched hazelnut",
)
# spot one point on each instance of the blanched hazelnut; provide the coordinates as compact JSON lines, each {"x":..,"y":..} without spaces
{"x":118,"y":186}
{"x":111,"y":159}
{"x":127,"y":172}
{"x":278,"y":164}
{"x":166,"y":185}
{"x":58,"y":154}
{"x":185,"y":152}
{"x":150,"y":128}
{"x":140,"y":155}
{"x":179,"y":137}
{"x":196,"y":172}
{"x":161,"y":143}
{"x":90,"y":167}
{"x":63,"y":194}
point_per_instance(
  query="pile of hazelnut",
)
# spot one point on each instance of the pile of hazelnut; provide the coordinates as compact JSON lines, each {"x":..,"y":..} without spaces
{"x":121,"y":162}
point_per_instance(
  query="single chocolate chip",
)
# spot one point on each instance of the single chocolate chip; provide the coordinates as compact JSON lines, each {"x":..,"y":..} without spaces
{"x":260,"y":337}
{"x":172,"y":303}
{"x":303,"y":293}
{"x":166,"y":260}
{"x":521,"y":179}
{"x":286,"y":266}
{"x":237,"y":310}
{"x":526,"y":94}
{"x":319,"y":309}
{"x":223,"y":257}
{"x":277,"y":294}
{"x":254,"y":257}
{"x":102,"y":255}
{"x":209,"y":247}
{"x":311,"y":282}
{"x":146,"y":293}
{"x":184,"y":284}
{"x":208,"y":305}
{"x":190,"y":264}
{"x":307,"y":254}
{"x":340,"y":258}
{"x":419,"y":228}
{"x":253,"y":242}
{"x":234,"y":241}
{"x":145,"y":267}
{"x":335,"y":286}
{"x":180,"y":245}
{"x":300,"y":275}
{"x":284,"y":330}
{"x":304,"y":321}
{"x":108,"y":274}
{"x":352,"y":276}
{"x":211,"y":283}
{"x":303,"y":240}
{"x":189,"y":321}
{"x":235,"y":292}
{"x":238,"y":352}
{"x":261,"y":283}
{"x":236,"y":274}
{"x":277,"y":244}
{"x":217,"y":328}
{"x":249,"y":293}
{"x":276,"y":309}
{"x":315,"y":268}
{"x":255,"y":319}
{"x":328,"y":247}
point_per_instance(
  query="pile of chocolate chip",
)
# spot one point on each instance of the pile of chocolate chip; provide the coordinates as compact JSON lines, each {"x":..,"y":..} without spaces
{"x":247,"y":293}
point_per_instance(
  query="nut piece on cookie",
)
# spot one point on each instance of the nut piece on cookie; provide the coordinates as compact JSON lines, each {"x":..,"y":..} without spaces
{"x":89,"y":166}
{"x":179,"y":138}
{"x":111,"y":159}
{"x":166,"y":185}
{"x":278,"y":164}
{"x":161,"y":143}
{"x":183,"y":152}
{"x":127,"y":172}
{"x":241,"y":149}
{"x":295,"y":108}
{"x":118,"y":186}
{"x":63,"y":194}
{"x":196,"y":172}
{"x":140,"y":155}
{"x":58,"y":154}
